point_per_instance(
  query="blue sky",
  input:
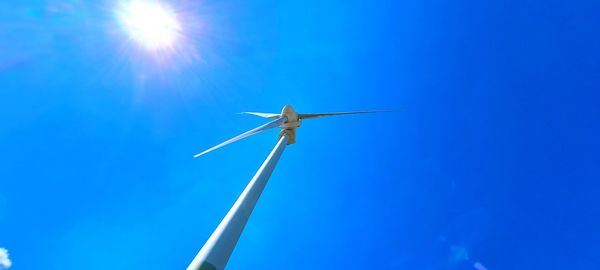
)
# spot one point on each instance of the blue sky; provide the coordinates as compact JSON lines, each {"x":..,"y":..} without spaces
{"x":491,"y":160}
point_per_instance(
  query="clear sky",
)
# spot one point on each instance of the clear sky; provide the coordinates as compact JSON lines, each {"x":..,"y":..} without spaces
{"x":491,"y":161}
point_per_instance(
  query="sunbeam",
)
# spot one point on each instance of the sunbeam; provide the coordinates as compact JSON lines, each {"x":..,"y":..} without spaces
{"x":150,"y":23}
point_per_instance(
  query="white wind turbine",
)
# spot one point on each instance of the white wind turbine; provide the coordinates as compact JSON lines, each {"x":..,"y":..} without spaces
{"x":218,"y":248}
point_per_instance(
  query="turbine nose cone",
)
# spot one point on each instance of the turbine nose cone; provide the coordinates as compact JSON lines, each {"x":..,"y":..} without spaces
{"x":287,"y":109}
{"x":289,"y":113}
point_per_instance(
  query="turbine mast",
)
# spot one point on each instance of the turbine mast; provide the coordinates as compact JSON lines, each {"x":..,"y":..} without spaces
{"x":217,"y":249}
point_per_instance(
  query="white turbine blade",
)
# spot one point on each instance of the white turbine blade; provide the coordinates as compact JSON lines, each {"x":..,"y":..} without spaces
{"x":263,"y":115}
{"x":317,"y":115}
{"x":266,"y":126}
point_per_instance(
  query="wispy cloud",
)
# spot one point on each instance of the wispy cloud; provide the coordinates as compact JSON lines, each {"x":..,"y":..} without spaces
{"x":479,"y":266}
{"x":5,"y":262}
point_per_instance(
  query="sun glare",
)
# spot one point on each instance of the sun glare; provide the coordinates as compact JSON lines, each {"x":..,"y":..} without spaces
{"x":150,"y":23}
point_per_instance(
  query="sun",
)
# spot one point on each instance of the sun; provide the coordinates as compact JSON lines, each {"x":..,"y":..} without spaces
{"x":151,"y":24}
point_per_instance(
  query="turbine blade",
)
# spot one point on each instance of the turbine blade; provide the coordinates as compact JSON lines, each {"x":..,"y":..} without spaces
{"x":263,"y":115}
{"x":251,"y":132}
{"x":317,"y":115}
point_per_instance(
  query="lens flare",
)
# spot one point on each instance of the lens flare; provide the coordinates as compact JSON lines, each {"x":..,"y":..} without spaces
{"x":150,"y":23}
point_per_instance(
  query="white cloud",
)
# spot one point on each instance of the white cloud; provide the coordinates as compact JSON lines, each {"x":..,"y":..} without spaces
{"x":5,"y":262}
{"x":479,"y":266}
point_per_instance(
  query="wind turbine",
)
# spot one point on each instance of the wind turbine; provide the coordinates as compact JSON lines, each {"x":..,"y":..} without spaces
{"x":218,"y":248}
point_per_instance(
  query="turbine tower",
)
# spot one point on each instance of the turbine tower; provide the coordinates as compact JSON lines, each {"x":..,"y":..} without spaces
{"x":218,"y":248}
